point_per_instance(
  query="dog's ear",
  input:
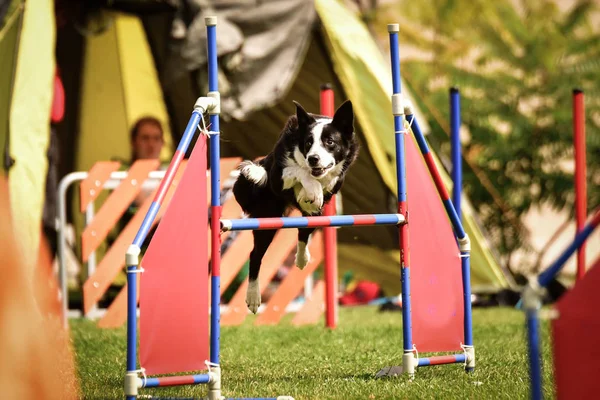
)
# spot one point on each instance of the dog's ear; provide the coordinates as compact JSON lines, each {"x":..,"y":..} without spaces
{"x":343,"y":119}
{"x":304,"y":119}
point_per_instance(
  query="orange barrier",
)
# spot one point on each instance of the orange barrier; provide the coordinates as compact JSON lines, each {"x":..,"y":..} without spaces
{"x":115,"y":205}
{"x":91,"y":187}
{"x":292,"y":284}
{"x":96,"y":285}
{"x":112,"y":209}
{"x":314,"y":307}
{"x":283,"y":243}
{"x":116,"y":314}
{"x":234,"y":258}
{"x":113,"y":261}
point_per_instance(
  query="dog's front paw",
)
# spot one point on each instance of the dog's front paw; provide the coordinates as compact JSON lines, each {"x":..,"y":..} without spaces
{"x":308,"y":206}
{"x":310,"y":198}
{"x":253,"y":296}
{"x":302,"y":255}
{"x":314,"y":191}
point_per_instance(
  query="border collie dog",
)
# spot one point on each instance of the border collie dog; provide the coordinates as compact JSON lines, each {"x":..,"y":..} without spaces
{"x":304,"y":170}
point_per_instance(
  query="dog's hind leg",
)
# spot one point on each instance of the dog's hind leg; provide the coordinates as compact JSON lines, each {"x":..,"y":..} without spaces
{"x":302,"y":253}
{"x":262,"y":240}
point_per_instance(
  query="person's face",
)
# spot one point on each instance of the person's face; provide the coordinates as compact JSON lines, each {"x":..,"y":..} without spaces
{"x":148,"y":142}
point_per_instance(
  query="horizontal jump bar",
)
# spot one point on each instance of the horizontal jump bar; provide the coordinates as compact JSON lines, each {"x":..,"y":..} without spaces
{"x":439,"y":360}
{"x":310,"y":222}
{"x":226,"y":398}
{"x":175,"y":380}
{"x":260,"y":398}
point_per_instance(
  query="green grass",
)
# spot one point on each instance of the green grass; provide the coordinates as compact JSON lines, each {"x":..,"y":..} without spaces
{"x":313,"y":363}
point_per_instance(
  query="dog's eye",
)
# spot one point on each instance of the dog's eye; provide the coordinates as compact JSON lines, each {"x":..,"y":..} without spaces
{"x":329,"y":142}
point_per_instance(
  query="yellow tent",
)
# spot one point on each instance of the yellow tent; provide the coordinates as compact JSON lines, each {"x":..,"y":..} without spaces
{"x":119,"y":85}
{"x":27,"y":38}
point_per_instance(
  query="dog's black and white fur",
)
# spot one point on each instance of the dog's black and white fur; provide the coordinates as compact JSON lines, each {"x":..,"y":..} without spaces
{"x":304,"y":170}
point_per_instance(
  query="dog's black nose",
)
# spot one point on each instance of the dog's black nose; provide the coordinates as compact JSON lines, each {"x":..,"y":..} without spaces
{"x":313,"y":160}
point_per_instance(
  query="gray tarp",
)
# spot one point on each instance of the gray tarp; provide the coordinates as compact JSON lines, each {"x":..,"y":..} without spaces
{"x":261,"y":47}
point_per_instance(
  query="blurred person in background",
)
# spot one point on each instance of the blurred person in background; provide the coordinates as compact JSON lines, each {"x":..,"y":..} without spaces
{"x":147,"y":140}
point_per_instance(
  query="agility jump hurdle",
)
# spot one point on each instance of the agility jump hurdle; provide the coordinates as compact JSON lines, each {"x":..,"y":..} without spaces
{"x":173,"y":329}
{"x":574,"y":324}
{"x":410,"y":360}
{"x":575,"y":328}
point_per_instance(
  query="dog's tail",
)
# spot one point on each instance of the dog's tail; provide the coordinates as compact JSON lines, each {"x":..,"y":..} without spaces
{"x":254,"y":172}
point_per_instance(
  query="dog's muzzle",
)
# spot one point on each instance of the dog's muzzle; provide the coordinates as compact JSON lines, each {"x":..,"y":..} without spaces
{"x":318,"y":172}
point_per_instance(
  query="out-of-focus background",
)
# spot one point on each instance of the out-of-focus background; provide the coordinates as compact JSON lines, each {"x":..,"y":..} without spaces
{"x":84,"y":82}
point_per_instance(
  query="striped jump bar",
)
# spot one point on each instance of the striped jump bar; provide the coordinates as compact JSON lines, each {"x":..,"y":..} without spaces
{"x":224,"y":398}
{"x":255,"y":224}
{"x":439,"y":360}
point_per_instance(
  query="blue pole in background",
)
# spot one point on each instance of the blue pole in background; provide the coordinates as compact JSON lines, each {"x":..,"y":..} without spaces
{"x":455,"y":149}
{"x":534,"y":354}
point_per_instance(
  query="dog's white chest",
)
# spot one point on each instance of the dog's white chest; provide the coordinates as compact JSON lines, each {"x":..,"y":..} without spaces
{"x":308,"y":190}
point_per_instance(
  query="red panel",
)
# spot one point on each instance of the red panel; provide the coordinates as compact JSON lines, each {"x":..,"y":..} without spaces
{"x":575,"y":339}
{"x":173,"y":298}
{"x":435,"y":267}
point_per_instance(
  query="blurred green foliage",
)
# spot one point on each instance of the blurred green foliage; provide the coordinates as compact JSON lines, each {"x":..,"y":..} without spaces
{"x":515,"y":64}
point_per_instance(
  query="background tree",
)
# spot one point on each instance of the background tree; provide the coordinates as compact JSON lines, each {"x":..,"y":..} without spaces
{"x":515,"y":64}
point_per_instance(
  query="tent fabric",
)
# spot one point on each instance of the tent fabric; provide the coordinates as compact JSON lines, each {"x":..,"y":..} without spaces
{"x":359,"y":65}
{"x":115,"y":95}
{"x":10,"y":25}
{"x":362,"y":76}
{"x":258,"y":44}
{"x":29,"y":124}
{"x":367,"y":82}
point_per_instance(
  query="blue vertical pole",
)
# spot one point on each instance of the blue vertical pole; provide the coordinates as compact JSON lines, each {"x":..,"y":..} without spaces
{"x":398,"y":112}
{"x":131,"y":321}
{"x":215,"y":185}
{"x":534,"y":354}
{"x":466,"y":281}
{"x":455,"y":149}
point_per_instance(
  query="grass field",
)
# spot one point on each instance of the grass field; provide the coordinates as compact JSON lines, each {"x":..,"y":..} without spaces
{"x":313,"y":363}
